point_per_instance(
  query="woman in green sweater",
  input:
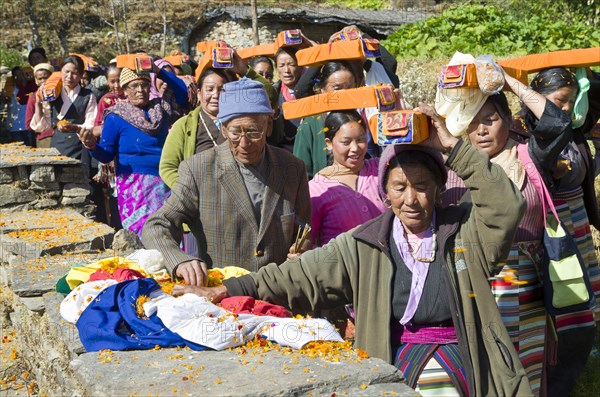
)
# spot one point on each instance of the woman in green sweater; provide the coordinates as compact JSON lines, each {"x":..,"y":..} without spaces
{"x":417,"y":274}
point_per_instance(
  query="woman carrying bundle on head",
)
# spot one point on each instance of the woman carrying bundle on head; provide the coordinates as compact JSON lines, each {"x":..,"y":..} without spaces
{"x":75,"y":106}
{"x":309,"y":144}
{"x":133,"y":135}
{"x":344,"y":194}
{"x":416,"y":275}
{"x":569,"y":170}
{"x":289,"y":73}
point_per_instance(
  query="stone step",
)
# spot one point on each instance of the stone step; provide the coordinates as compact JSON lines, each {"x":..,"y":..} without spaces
{"x":35,"y":277}
{"x":226,"y":373}
{"x":62,"y":367}
{"x":33,"y":234}
{"x":17,"y":154}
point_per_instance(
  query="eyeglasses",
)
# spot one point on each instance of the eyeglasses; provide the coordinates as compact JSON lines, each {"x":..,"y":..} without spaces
{"x":252,"y":133}
{"x":136,"y":86}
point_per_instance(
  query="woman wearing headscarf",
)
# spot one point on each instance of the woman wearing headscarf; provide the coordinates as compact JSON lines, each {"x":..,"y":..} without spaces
{"x":134,"y":133}
{"x":564,"y":160}
{"x":41,"y":72}
{"x":158,"y":87}
{"x":417,"y":274}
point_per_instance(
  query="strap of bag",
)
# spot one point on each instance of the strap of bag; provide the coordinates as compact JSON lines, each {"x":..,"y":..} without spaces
{"x":536,"y":179}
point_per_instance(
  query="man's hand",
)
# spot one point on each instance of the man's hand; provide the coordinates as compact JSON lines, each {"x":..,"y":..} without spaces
{"x":213,"y":294}
{"x":194,"y":273}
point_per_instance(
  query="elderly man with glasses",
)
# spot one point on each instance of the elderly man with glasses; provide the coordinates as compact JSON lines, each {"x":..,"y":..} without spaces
{"x":243,"y":200}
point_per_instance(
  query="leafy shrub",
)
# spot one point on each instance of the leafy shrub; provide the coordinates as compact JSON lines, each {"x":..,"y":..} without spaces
{"x":10,"y":58}
{"x":361,"y":4}
{"x":480,"y":29}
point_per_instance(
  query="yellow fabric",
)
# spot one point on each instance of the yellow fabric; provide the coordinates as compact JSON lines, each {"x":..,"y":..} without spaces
{"x":233,"y":271}
{"x":80,"y":275}
{"x":218,"y":274}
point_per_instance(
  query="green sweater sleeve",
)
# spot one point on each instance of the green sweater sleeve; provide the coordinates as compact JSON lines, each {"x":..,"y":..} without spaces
{"x":320,"y":278}
{"x":303,"y":146}
{"x":497,"y":203}
{"x":173,"y":153}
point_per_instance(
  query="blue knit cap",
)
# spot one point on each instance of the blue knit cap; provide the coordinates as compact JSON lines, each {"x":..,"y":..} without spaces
{"x":243,"y":97}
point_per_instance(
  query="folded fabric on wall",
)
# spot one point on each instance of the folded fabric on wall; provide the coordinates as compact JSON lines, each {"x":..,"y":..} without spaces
{"x":81,"y":274}
{"x":200,"y":321}
{"x":111,"y":320}
{"x":75,"y":303}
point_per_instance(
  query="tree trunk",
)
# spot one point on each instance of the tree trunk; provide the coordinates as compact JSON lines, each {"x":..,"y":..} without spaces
{"x":125,"y":23}
{"x":164,"y":18}
{"x":255,"y":37}
{"x":62,"y":34}
{"x":116,"y":26}
{"x":36,"y":40}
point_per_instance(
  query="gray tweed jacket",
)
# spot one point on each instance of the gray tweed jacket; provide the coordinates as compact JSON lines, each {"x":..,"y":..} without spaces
{"x":210,"y":196}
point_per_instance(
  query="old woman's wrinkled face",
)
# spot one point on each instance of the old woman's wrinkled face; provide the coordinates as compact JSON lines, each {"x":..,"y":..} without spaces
{"x":138,"y":92}
{"x":413,"y":192}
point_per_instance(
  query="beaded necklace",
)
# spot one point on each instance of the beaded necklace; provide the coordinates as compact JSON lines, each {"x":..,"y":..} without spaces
{"x":207,"y":130}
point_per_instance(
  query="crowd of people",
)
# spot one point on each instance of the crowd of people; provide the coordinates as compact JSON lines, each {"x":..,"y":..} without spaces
{"x":439,"y":265}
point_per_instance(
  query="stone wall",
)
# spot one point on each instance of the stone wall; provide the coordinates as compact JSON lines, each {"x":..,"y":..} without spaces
{"x":238,"y":33}
{"x":41,"y":179}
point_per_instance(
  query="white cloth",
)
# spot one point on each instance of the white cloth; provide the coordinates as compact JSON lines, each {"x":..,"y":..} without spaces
{"x":377,"y":75}
{"x":76,"y":302}
{"x":151,"y":261}
{"x":41,"y":123}
{"x":200,"y":321}
{"x":459,"y":105}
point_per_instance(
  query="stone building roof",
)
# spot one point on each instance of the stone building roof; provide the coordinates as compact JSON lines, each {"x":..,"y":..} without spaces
{"x":378,"y":23}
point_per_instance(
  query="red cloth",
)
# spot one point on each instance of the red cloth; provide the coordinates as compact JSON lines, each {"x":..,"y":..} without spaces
{"x":29,"y":112}
{"x":108,"y":100}
{"x":24,"y":91}
{"x":119,"y":275}
{"x":249,"y":305}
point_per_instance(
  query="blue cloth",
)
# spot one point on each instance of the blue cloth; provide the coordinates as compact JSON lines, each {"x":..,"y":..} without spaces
{"x":111,"y":322}
{"x":243,"y":97}
{"x":15,"y":121}
{"x":138,"y":152}
{"x":176,"y":85}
